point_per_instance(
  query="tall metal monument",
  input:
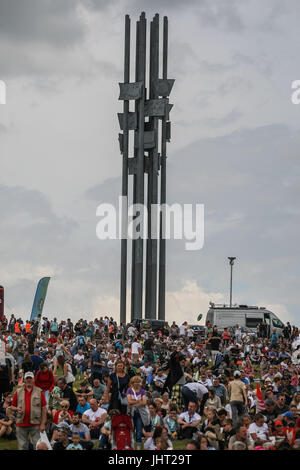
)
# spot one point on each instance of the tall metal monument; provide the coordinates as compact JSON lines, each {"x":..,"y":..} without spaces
{"x":146,"y":111}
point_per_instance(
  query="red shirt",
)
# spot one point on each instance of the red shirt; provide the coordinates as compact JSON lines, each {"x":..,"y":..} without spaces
{"x":52,"y":340}
{"x":26,"y":420}
{"x":56,"y":416}
{"x":44,"y":380}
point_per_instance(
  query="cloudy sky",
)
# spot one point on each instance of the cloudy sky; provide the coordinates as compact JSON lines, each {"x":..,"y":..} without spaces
{"x":235,"y":149}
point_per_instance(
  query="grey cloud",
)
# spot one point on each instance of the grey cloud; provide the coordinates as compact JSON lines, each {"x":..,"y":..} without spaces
{"x":211,"y":13}
{"x":106,"y":192}
{"x":3,"y":129}
{"x":228,"y":119}
{"x":28,"y":220}
{"x":223,"y":15}
{"x":50,"y":21}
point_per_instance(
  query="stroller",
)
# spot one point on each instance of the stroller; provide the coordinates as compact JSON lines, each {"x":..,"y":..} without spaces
{"x":122,"y":433}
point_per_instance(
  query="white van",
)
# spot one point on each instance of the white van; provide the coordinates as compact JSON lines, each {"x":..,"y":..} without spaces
{"x":224,"y":316}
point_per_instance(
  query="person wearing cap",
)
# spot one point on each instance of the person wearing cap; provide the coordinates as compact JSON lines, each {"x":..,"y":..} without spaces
{"x":63,"y":439}
{"x":30,"y":404}
{"x":289,"y":419}
{"x":237,"y":396}
{"x":279,"y":433}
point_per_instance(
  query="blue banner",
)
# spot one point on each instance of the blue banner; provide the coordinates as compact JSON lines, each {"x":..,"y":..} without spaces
{"x":39,"y":298}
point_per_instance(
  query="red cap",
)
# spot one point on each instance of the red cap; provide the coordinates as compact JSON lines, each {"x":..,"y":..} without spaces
{"x":278,"y":423}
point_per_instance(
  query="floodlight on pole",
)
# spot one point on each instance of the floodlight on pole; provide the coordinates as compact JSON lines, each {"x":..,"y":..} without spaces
{"x":231,"y":262}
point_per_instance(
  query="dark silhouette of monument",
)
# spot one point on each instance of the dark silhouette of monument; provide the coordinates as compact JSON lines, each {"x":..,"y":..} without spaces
{"x":149,"y":121}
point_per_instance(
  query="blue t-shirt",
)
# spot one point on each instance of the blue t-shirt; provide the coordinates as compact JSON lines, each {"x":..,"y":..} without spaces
{"x":54,"y":326}
{"x":83,"y":409}
{"x":36,"y":361}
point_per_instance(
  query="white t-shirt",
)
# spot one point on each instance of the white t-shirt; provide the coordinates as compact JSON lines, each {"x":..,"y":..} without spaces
{"x":94,"y":415}
{"x":207,"y":383}
{"x":190,"y":419}
{"x":190,"y":333}
{"x":135,"y":347}
{"x":131,"y":331}
{"x":146,"y":370}
{"x":260,"y":431}
{"x":182,"y":330}
{"x":78,"y":357}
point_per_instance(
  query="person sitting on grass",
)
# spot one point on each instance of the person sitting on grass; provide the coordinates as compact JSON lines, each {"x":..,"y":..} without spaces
{"x":83,"y":405}
{"x":155,"y":420}
{"x":203,"y":443}
{"x":94,"y":418}
{"x":189,"y":421}
{"x":159,"y":431}
{"x":105,"y":433}
{"x":80,"y":428}
{"x":6,"y":427}
{"x":170,"y":422}
{"x":192,"y":445}
{"x":84,"y":391}
{"x":62,"y":441}
{"x":64,"y":414}
{"x":75,"y":444}
{"x":161,"y":444}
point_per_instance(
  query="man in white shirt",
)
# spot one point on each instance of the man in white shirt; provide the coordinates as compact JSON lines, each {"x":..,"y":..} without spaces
{"x":182,"y":329}
{"x":131,"y":331}
{"x":146,"y":369}
{"x":94,"y":418}
{"x":189,"y":421}
{"x":79,"y":360}
{"x":190,"y":332}
{"x":136,"y":349}
{"x":205,"y":381}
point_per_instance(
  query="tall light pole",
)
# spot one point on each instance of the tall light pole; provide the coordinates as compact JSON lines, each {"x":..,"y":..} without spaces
{"x":231,"y":262}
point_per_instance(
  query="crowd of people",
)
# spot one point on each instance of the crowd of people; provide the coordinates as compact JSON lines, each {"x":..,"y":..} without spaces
{"x":99,"y":385}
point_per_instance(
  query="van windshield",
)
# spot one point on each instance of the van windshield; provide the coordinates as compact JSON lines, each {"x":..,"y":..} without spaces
{"x":277,"y":323}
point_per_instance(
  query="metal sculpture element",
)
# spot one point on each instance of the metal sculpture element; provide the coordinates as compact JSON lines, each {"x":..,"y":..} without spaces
{"x":152,"y":129}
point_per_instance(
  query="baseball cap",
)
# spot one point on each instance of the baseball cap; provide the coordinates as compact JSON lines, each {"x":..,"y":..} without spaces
{"x":278,"y":423}
{"x":29,"y":374}
{"x":288,"y":414}
{"x":236,"y":373}
{"x":63,"y":426}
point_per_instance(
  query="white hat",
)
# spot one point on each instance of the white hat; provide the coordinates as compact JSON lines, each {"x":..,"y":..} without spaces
{"x":29,"y":374}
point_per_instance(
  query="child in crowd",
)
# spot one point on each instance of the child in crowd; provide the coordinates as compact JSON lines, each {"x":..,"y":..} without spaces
{"x":75,"y":445}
